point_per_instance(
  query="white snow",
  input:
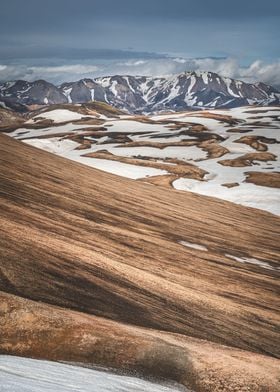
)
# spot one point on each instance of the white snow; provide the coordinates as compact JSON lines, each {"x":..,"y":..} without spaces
{"x":113,"y":88}
{"x":194,"y":246}
{"x":246,"y":111}
{"x":67,"y":93}
{"x":191,"y":153}
{"x":66,"y":148}
{"x":173,"y":93}
{"x":132,"y":126}
{"x":253,"y":261}
{"x":213,"y":125}
{"x":54,"y":145}
{"x":128,"y":83}
{"x":114,"y":167}
{"x":228,"y":83}
{"x":205,"y":77}
{"x":245,"y":193}
{"x":250,"y":195}
{"x":61,"y":115}
{"x":34,"y":133}
{"x":30,"y":375}
{"x":192,"y":83}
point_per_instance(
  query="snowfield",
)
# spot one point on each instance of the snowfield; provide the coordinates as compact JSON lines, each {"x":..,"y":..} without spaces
{"x":267,"y":199}
{"x":30,"y":375}
{"x":173,"y":139}
{"x":60,"y":115}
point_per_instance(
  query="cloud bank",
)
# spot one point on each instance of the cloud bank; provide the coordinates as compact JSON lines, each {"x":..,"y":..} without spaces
{"x":257,"y":71}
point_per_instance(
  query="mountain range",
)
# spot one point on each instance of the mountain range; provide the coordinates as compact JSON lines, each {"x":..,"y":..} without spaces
{"x":141,"y":94}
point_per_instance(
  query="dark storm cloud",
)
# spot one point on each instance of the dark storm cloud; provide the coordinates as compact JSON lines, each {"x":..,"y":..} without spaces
{"x":117,"y":23}
{"x":38,"y":52}
{"x":88,"y":16}
{"x":33,"y":13}
{"x":58,"y":33}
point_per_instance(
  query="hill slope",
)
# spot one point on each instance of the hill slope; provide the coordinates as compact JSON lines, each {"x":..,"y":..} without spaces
{"x":74,"y":239}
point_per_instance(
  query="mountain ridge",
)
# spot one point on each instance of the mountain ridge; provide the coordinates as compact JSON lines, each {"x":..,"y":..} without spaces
{"x":138,"y":94}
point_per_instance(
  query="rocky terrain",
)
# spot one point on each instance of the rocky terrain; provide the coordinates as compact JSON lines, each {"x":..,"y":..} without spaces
{"x":138,"y":94}
{"x":98,"y":269}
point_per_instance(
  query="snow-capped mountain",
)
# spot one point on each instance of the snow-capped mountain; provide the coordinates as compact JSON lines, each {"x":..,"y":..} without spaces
{"x":187,"y":90}
{"x":39,"y":92}
{"x":145,"y":94}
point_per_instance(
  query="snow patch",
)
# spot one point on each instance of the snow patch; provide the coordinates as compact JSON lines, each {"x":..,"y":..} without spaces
{"x":193,"y":246}
{"x":61,"y":115}
{"x":30,"y":375}
{"x":253,"y":261}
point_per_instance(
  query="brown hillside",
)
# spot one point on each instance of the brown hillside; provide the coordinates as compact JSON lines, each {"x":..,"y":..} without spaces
{"x":10,"y":120}
{"x":95,"y":243}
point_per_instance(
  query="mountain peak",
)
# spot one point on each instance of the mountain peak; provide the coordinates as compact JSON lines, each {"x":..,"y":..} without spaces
{"x":187,"y":90}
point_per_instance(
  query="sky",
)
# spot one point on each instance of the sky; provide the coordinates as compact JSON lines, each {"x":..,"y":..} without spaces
{"x":62,"y":40}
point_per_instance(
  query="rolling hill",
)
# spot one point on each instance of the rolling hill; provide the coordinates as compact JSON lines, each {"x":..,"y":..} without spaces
{"x":102,"y":270}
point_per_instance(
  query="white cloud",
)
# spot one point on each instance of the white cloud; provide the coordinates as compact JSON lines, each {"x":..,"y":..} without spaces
{"x":180,"y":60}
{"x":258,"y":71}
{"x":226,"y":67}
{"x":74,"y":69}
{"x":53,"y":74}
{"x":268,"y":73}
{"x":133,"y":63}
{"x":229,"y":67}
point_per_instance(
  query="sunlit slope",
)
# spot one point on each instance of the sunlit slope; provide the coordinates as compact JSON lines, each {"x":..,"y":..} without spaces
{"x":87,"y":240}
